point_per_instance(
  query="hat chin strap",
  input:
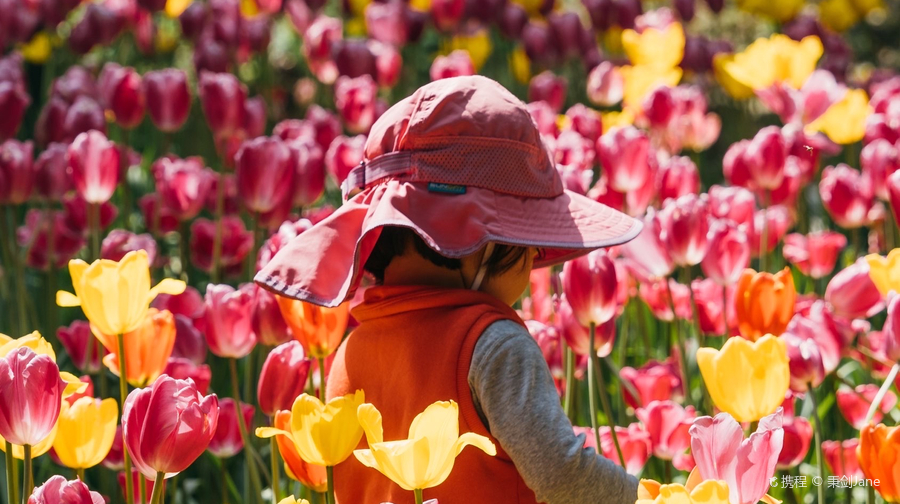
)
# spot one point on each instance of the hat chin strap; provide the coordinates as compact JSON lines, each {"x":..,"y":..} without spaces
{"x":482,"y":270}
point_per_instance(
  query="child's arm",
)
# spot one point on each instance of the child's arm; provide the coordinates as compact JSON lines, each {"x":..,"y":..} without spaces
{"x":513,"y":389}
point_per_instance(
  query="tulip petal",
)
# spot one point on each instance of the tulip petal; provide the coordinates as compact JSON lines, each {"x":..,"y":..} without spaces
{"x":267,"y":432}
{"x":370,"y":419}
{"x":366,"y":458}
{"x":74,"y":385}
{"x":710,"y":492}
{"x":67,"y":299}
{"x":166,"y":286}
{"x":478,"y":441}
{"x":714,"y":444}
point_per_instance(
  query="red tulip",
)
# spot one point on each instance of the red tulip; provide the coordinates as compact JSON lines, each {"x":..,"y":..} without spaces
{"x":168,"y":97}
{"x":710,"y":307}
{"x":286,"y":232}
{"x":222,"y":97}
{"x":577,"y":336}
{"x":268,"y":324}
{"x":548,"y":87}
{"x":659,"y":298}
{"x":678,"y":176}
{"x":765,"y":157}
{"x":184,"y":369}
{"x":84,"y":115}
{"x":778,"y":219}
{"x":728,"y":254}
{"x":654,"y":381}
{"x":51,"y":181}
{"x":736,"y":204}
{"x":159,"y":218}
{"x":549,"y":339}
{"x":183,"y":185}
{"x":227,"y":440}
{"x":879,"y":160}
{"x":892,"y":330}
{"x":56,"y":490}
{"x":264,"y":172}
{"x":816,"y":254}
{"x":807,"y":368}
{"x":167,"y":425}
{"x":254,"y":123}
{"x":343,"y":155}
{"x":35,"y":238}
{"x":841,"y":458}
{"x":624,"y":154}
{"x":605,"y":85}
{"x":590,"y":286}
{"x":94,"y":166}
{"x":231,"y":204}
{"x":685,"y":223}
{"x":455,"y":64}
{"x":283,"y":377}
{"x":846,"y":195}
{"x":210,"y":55}
{"x":446,"y":14}
{"x":122,"y":91}
{"x":797,"y":436}
{"x":633,"y":440}
{"x":114,"y":459}
{"x":667,"y":423}
{"x":893,"y":187}
{"x":13,"y":98}
{"x":854,"y":404}
{"x":76,"y":209}
{"x":120,"y":241}
{"x":355,"y":101}
{"x":236,"y":244}
{"x":326,"y":124}
{"x":17,"y":172}
{"x":538,"y":43}
{"x":189,"y":341}
{"x":76,"y":340}
{"x":647,"y":253}
{"x":309,"y":173}
{"x":30,"y":396}
{"x":852,"y":294}
{"x":318,"y":40}
{"x":229,"y":327}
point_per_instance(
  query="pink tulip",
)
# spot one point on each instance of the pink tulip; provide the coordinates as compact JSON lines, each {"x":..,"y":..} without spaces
{"x":236,"y":244}
{"x":184,"y":369}
{"x":736,"y":204}
{"x":227,"y":440}
{"x":229,"y":327}
{"x":778,"y":220}
{"x":76,"y":340}
{"x":678,"y":176}
{"x":30,"y":396}
{"x":386,"y":22}
{"x":765,"y":157}
{"x":189,"y":303}
{"x":572,"y":149}
{"x":286,"y":232}
{"x":168,"y":97}
{"x":746,"y":465}
{"x":94,"y":166}
{"x":817,"y":323}
{"x":585,"y":121}
{"x":854,"y":404}
{"x":84,"y":115}
{"x":548,"y":87}
{"x":892,"y":330}
{"x":634,"y":441}
{"x":647,"y":253}
{"x":268,"y":324}
{"x":318,"y":39}
{"x":327,"y":125}
{"x":51,"y":181}
{"x":57,"y":490}
{"x":343,"y":155}
{"x":728,"y":253}
{"x":222,"y":97}
{"x":167,"y":425}
{"x":685,"y":223}
{"x":668,"y":424}
{"x":183,"y":185}
{"x":122,"y":92}
{"x":841,"y":458}
{"x":577,"y":336}
{"x":590,"y":286}
{"x":120,"y":241}
{"x":355,"y":101}
{"x":660,"y":295}
{"x":388,"y":64}
{"x":17,"y":172}
{"x":807,"y":368}
{"x":846,"y":195}
{"x":35,"y":235}
{"x":654,"y":381}
{"x":852,"y":294}
{"x":797,"y":436}
{"x":893,"y":187}
{"x":282,"y":378}
{"x":624,"y":154}
{"x":803,"y":106}
{"x":816,"y":254}
{"x":711,"y":304}
{"x":605,"y":85}
{"x":264,"y":172}
{"x":455,"y":64}
{"x":879,"y":160}
{"x":549,"y":339}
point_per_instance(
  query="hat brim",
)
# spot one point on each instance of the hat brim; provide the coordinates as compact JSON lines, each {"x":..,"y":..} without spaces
{"x":324,"y":264}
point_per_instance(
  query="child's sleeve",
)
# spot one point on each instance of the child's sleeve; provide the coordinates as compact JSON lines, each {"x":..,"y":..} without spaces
{"x":515,"y":395}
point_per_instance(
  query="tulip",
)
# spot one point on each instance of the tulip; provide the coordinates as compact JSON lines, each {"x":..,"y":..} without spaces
{"x":236,"y":244}
{"x":183,"y":369}
{"x":386,"y":22}
{"x":845,"y":121}
{"x":120,"y":241}
{"x":343,"y":155}
{"x":183,"y":185}
{"x":13,"y":100}
{"x":854,"y":404}
{"x":147,"y":348}
{"x":227,"y":441}
{"x":406,"y":462}
{"x":877,"y":453}
{"x":711,"y":301}
{"x":282,"y":378}
{"x":222,"y":97}
{"x":841,"y":458}
{"x":311,"y":475}
{"x":309,"y":174}
{"x":167,"y":425}
{"x":852,"y":292}
{"x":814,"y":255}
{"x":634,"y":441}
{"x":122,"y":91}
{"x":34,"y":237}
{"x":318,"y":329}
{"x":268,"y":324}
{"x":115,"y":296}
{"x":624,"y":157}
{"x":590,"y":286}
{"x":660,"y":295}
{"x":577,"y":336}
{"x":885,"y":271}
{"x":797,"y":436}
{"x":94,"y":166}
{"x":84,"y":115}
{"x":229,"y":328}
{"x":455,"y":64}
{"x":85,"y":432}
{"x":51,"y":181}
{"x":56,"y":490}
{"x":783,"y":59}
{"x":264,"y":173}
{"x":605,"y":85}
{"x":40,"y":346}
{"x":807,"y":367}
{"x":764,"y":303}
{"x":654,"y":381}
{"x":747,"y":380}
{"x":548,"y":87}
{"x":705,"y":492}
{"x":846,"y":195}
{"x":685,"y":224}
{"x":17,"y":172}
{"x":647,"y":253}
{"x":728,"y":253}
{"x":549,"y":340}
{"x":746,"y":465}
{"x":168,"y":98}
{"x":668,"y":424}
{"x":77,"y":340}
{"x":736,"y":204}
{"x":31,"y":393}
{"x":678,"y":176}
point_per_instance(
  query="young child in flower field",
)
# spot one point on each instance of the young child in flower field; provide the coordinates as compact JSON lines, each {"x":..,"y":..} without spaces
{"x":456,"y":201}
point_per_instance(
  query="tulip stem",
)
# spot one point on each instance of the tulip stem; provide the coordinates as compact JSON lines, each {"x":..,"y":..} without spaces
{"x":142,"y":488}
{"x":876,"y":403}
{"x":604,"y":401}
{"x":321,"y":362}
{"x":158,"y":488}
{"x":419,"y":497}
{"x":29,"y":474}
{"x":570,"y":381}
{"x":679,"y":337}
{"x":80,"y":473}
{"x":329,"y":474}
{"x":249,"y":452}
{"x":12,"y":489}
{"x":725,"y":310}
{"x":820,"y":461}
{"x":217,"y":239}
{"x":183,"y":249}
{"x":274,"y":456}
{"x":592,"y":393}
{"x":123,"y":394}
{"x":7,"y":234}
{"x":764,"y":236}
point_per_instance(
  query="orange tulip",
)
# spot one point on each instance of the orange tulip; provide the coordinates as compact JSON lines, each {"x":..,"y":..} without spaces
{"x":311,"y":475}
{"x":318,"y":329}
{"x":879,"y":459}
{"x":147,"y":348}
{"x":764,"y":303}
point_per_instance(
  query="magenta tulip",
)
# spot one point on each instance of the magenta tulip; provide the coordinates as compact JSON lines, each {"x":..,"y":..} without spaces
{"x":765,"y":157}
{"x":778,"y":219}
{"x":728,"y":254}
{"x":647,"y":254}
{"x":229,"y":320}
{"x":624,"y":154}
{"x":77,"y":339}
{"x":167,"y":425}
{"x":94,"y":166}
{"x":746,"y":465}
{"x":854,"y":404}
{"x":264,"y":172}
{"x":57,"y":490}
{"x":34,"y":236}
{"x":168,"y":98}
{"x":343,"y":155}
{"x":879,"y":159}
{"x":806,"y":365}
{"x":30,"y":396}
{"x":13,"y":101}
{"x":17,"y":172}
{"x":268,"y":324}
{"x":309,"y":174}
{"x":455,"y":64}
{"x":355,"y":101}
{"x":852,"y":293}
{"x":120,"y":242}
{"x":236,"y":244}
{"x":798,"y":434}
{"x":283,"y":377}
{"x":654,"y":381}
{"x":685,"y":223}
{"x":847,"y":196}
{"x":589,"y":283}
{"x":227,"y":440}
{"x":222,"y":97}
{"x":122,"y":92}
{"x":816,"y":254}
{"x":678,"y":176}
{"x":183,"y":185}
{"x":84,"y":115}
{"x":51,"y":181}
{"x":668,"y":424}
{"x":184,"y":369}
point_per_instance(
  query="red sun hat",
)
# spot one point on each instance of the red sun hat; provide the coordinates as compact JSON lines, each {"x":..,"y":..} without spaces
{"x":461,"y":162}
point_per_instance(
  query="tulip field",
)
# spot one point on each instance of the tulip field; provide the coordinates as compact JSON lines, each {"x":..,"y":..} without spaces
{"x":156,"y":154}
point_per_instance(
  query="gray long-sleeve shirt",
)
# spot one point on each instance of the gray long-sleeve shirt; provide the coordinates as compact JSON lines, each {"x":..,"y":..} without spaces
{"x":515,"y":396}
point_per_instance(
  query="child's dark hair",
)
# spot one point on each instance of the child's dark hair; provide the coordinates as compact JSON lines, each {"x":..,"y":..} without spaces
{"x":394,"y":239}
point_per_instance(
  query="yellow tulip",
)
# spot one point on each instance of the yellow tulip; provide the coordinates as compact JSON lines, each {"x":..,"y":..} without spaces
{"x":38,"y":49}
{"x":40,"y":346}
{"x":660,"y":49}
{"x":838,"y":15}
{"x":324,"y":434}
{"x":767,"y":61}
{"x":746,"y":379}
{"x":532,"y":7}
{"x":420,"y":5}
{"x":780,"y":10}
{"x":174,"y":8}
{"x":115,"y":296}
{"x":249,"y":8}
{"x":86,"y":431}
{"x":426,"y":458}
{"x":885,"y":271}
{"x":477,"y":44}
{"x":866,"y":6}
{"x":845,"y":121}
{"x":706,"y":492}
{"x":614,"y":118}
{"x":36,"y":450}
{"x":293,"y":500}
{"x":520,"y":65}
{"x":641,"y":79}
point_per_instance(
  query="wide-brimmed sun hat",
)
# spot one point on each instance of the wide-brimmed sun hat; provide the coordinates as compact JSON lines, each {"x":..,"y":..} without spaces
{"x":461,"y":162}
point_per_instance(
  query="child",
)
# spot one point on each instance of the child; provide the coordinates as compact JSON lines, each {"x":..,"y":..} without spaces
{"x":458,"y":201}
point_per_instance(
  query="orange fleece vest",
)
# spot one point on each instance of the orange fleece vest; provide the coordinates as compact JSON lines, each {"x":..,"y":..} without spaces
{"x":413,"y":347}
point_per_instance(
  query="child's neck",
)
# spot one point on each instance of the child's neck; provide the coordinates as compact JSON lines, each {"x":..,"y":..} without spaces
{"x":413,"y":269}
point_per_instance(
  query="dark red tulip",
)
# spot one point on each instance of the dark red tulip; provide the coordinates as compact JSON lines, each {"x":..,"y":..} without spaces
{"x":17,"y":171}
{"x":222,"y":97}
{"x":226,"y":21}
{"x":264,"y":173}
{"x":268,"y":323}
{"x":236,"y":244}
{"x":42,"y":228}
{"x":601,"y":12}
{"x":548,"y":87}
{"x":120,"y":241}
{"x":13,"y":101}
{"x":183,"y":185}
{"x":227,"y":441}
{"x":93,"y":163}
{"x":538,"y":42}
{"x":194,"y":19}
{"x":283,"y":377}
{"x":846,"y":195}
{"x":84,"y":115}
{"x":685,"y":9}
{"x":75,"y":340}
{"x":49,"y":126}
{"x":355,"y":101}
{"x":326,"y":124}
{"x":627,"y":12}
{"x":152,"y":5}
{"x":51,"y":181}
{"x":99,"y":25}
{"x":122,"y":92}
{"x":76,"y":212}
{"x":168,"y":97}
{"x":566,"y":32}
{"x":160,"y":221}
{"x":447,"y":14}
{"x":254,"y":123}
{"x":513,"y":19}
{"x":344,"y":154}
{"x":255,"y":33}
{"x":77,"y":81}
{"x":353,"y":58}
{"x":182,"y":369}
{"x":211,"y":56}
